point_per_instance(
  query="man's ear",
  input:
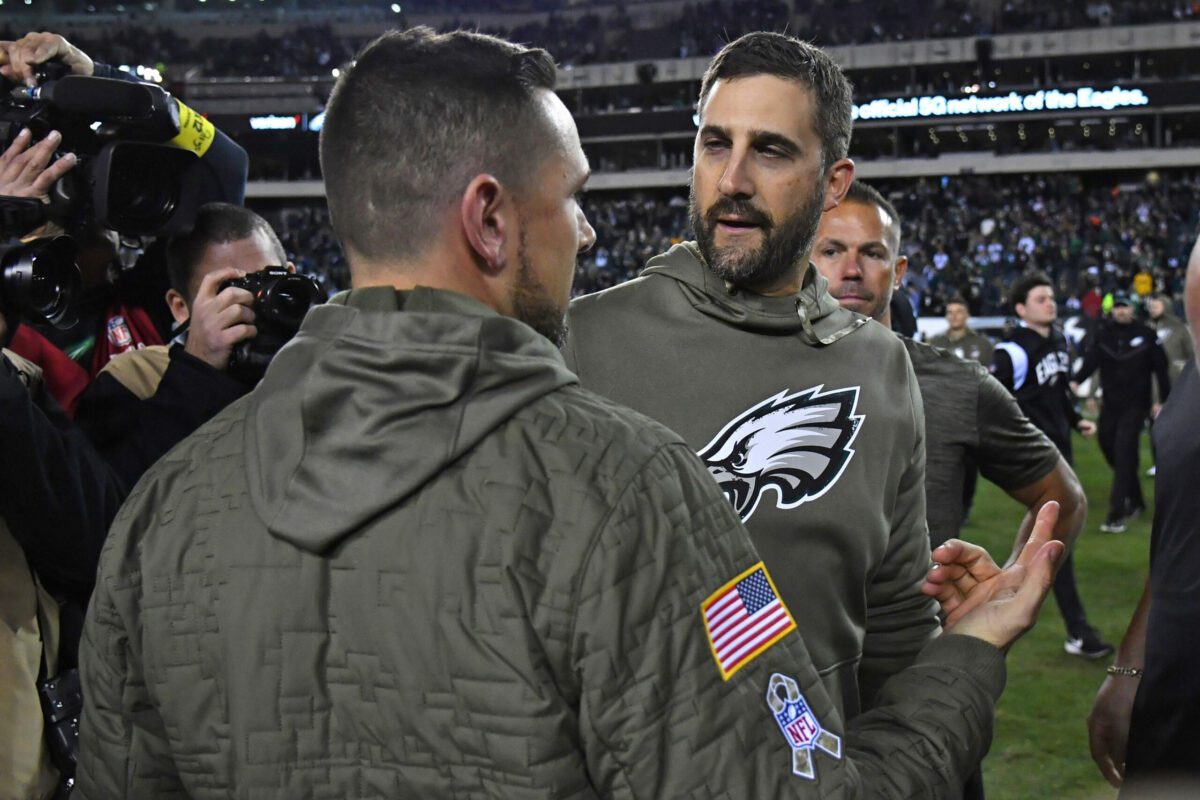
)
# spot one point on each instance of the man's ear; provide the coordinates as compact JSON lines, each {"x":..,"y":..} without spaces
{"x":485,"y":214}
{"x":838,"y":178}
{"x":178,"y":306}
{"x":901,"y":270}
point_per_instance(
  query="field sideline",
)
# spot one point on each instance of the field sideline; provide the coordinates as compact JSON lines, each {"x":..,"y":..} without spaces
{"x":1040,"y":748}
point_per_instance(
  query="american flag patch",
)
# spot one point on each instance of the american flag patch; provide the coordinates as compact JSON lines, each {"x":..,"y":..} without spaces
{"x":743,"y":618}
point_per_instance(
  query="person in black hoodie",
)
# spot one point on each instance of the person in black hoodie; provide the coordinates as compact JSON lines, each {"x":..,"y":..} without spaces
{"x":1034,"y":363}
{"x":146,"y":401}
{"x":1128,"y":354}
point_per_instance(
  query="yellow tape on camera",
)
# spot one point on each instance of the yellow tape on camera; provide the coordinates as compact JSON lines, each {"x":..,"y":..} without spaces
{"x":195,"y":132}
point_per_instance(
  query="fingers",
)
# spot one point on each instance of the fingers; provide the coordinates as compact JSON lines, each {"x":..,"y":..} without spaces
{"x":32,"y":50}
{"x":232,"y":315}
{"x":19,"y":59}
{"x":1034,"y":583}
{"x":10,"y":160}
{"x":1043,"y":532}
{"x":24,"y":171}
{"x":53,"y":173}
{"x":959,"y":559}
{"x":1103,"y":749}
{"x":210,"y":285}
{"x":37,"y":157}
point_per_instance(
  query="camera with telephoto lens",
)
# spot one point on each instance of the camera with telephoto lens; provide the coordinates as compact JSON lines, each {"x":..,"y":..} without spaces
{"x":125,"y":179}
{"x":281,"y":299}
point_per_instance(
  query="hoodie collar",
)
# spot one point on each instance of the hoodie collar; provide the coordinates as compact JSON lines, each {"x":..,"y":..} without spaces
{"x":377,"y":395}
{"x":812,"y":312}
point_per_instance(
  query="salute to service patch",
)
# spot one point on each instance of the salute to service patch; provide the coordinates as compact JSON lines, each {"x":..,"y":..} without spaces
{"x":743,"y":618}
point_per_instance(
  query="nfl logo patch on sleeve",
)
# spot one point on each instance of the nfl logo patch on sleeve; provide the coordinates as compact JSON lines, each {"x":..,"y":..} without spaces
{"x":799,"y":725}
{"x":743,"y":618}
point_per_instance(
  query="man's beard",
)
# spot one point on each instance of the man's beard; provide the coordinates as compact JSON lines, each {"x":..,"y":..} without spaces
{"x":531,"y":302}
{"x":782,"y":243}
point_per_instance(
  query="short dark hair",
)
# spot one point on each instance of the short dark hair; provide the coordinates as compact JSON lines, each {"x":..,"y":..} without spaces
{"x":414,"y":119}
{"x":216,"y":223}
{"x":1026,"y":284}
{"x":763,"y":53}
{"x":958,"y":300}
{"x":867,"y":195}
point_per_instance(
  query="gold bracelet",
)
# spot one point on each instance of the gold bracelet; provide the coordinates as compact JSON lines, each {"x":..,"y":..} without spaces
{"x":1127,"y":672}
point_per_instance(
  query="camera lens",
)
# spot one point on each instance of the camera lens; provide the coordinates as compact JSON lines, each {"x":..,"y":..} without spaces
{"x":145,"y":196}
{"x":287,"y":299}
{"x":40,"y":281}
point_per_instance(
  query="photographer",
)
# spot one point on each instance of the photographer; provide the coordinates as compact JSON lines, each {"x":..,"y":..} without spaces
{"x":27,"y":172}
{"x":116,"y":310}
{"x":146,"y":401}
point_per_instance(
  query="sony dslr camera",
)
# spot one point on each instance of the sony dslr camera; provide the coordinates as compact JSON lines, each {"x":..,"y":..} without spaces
{"x":281,"y":299}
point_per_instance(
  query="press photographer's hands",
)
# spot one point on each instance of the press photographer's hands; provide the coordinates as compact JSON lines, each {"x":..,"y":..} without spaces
{"x":221,"y":318}
{"x":19,"y":60}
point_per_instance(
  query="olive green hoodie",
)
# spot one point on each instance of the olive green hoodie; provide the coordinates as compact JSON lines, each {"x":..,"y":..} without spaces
{"x":419,"y":561}
{"x":810,"y":420}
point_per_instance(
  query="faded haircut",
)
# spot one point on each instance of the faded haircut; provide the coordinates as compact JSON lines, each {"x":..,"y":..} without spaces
{"x":787,"y":57}
{"x":415,"y":118}
{"x":867,"y":195}
{"x":216,"y":223}
{"x":1026,"y":284}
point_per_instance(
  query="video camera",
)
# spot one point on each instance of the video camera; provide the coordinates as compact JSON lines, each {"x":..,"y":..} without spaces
{"x":125,"y":180}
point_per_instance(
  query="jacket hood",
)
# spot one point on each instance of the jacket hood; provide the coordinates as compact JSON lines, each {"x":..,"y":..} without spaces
{"x":379,"y":392}
{"x":813,"y":313}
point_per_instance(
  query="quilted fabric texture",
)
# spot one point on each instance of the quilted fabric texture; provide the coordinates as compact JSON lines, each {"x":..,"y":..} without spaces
{"x":525,"y":623}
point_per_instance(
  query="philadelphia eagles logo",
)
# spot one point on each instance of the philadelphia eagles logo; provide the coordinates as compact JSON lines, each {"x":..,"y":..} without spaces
{"x":796,"y":444}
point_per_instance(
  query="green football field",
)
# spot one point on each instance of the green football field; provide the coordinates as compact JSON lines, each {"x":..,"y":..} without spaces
{"x":1040,"y":748}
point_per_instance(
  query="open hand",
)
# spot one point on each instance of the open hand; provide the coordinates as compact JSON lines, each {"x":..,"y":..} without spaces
{"x":23,"y":168}
{"x":979,"y":599}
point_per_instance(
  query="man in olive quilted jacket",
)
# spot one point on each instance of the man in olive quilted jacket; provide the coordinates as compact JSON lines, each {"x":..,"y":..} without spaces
{"x":420,"y":561}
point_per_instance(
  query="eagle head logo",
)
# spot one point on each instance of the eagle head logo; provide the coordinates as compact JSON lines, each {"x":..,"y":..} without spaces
{"x":796,"y":444}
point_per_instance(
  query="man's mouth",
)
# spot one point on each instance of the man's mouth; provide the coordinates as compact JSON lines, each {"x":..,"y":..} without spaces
{"x":736,"y":225}
{"x":852,"y":296}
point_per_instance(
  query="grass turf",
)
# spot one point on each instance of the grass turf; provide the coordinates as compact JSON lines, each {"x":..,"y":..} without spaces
{"x":1040,"y":747}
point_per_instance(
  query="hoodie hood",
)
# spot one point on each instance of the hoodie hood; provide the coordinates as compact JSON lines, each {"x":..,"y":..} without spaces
{"x":379,"y":392}
{"x":813,"y":313}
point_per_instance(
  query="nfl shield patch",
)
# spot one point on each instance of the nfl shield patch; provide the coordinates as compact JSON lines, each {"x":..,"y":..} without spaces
{"x":799,"y":725}
{"x":118,"y":332}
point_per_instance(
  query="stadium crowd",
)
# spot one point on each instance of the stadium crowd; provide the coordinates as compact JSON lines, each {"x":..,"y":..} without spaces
{"x":604,"y":32}
{"x":968,"y":235}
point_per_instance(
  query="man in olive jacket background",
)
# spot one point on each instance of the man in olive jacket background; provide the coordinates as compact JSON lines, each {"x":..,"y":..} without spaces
{"x":418,"y":560}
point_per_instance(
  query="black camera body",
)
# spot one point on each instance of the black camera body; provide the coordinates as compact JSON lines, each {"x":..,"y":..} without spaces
{"x":281,"y":299}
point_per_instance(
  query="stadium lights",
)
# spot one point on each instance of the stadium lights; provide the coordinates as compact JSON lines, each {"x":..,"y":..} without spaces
{"x":396,"y":8}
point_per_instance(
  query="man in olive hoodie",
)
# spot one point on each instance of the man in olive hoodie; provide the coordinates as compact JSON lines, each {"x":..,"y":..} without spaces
{"x":419,"y":561}
{"x":808,"y":417}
